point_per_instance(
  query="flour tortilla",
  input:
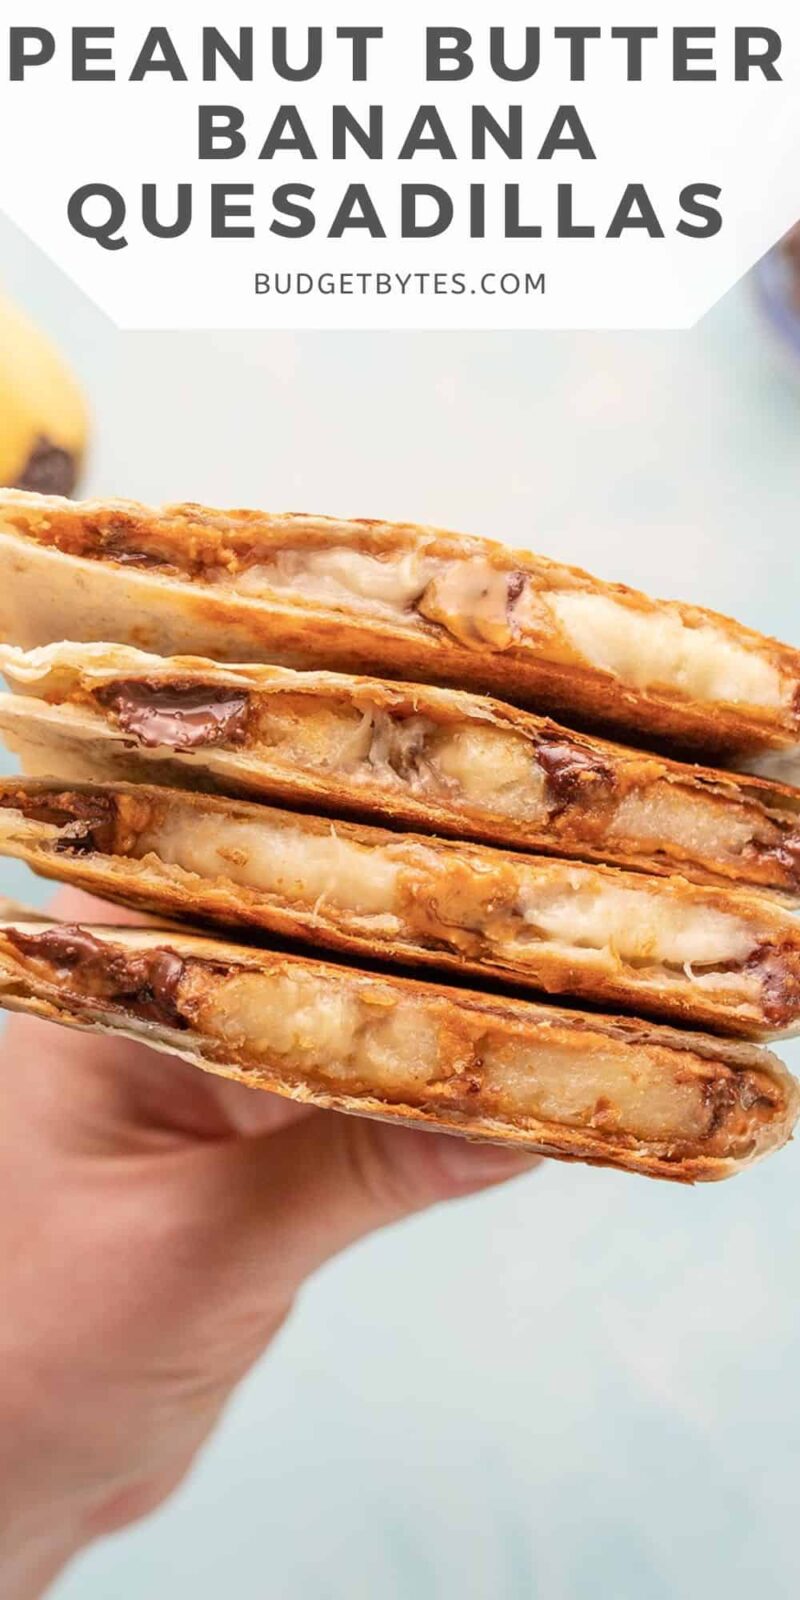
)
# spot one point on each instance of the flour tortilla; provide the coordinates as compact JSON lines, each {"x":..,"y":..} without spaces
{"x":429,"y":759}
{"x":401,"y":601}
{"x":605,"y":1090}
{"x":715,"y":958}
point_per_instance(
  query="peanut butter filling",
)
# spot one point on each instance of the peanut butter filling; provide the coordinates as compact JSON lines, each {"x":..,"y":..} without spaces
{"x":376,"y":1040}
{"x":557,"y":783}
{"x":431,"y":759}
{"x":559,"y":926}
{"x":479,"y":594}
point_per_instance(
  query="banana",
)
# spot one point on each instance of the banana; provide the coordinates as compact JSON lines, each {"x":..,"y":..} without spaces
{"x":43,"y":417}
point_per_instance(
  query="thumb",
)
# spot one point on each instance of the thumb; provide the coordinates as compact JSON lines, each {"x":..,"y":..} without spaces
{"x":322,"y":1183}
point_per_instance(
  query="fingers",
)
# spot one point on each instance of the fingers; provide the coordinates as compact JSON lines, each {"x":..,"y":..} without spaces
{"x":117,"y":1081}
{"x":296,"y":1194}
{"x":306,"y":1193}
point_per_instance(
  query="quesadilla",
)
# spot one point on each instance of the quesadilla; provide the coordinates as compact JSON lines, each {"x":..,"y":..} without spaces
{"x":430,"y":759}
{"x":410,"y":602}
{"x":612,"y":1091}
{"x":716,"y":958}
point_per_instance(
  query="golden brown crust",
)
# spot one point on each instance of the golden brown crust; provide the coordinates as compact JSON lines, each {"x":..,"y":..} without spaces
{"x":100,"y":592}
{"x":60,"y":724}
{"x":462,"y":908}
{"x":461,"y":1015}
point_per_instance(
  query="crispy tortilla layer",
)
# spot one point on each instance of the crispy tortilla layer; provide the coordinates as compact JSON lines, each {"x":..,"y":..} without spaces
{"x":716,"y":957}
{"x":390,"y":591}
{"x":671,"y":1104}
{"x":429,"y":758}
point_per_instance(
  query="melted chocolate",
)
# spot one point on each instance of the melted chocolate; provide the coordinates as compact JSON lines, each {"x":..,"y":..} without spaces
{"x":126,"y":557}
{"x":186,"y":716}
{"x":721,"y":1096}
{"x":142,"y":982}
{"x":87,"y":821}
{"x":778,"y":969}
{"x":572,"y":772}
{"x":49,"y":469}
{"x":514,"y":588}
{"x":735,"y":1096}
{"x":787,"y":855}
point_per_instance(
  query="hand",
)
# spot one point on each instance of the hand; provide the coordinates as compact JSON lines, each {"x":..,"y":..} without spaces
{"x":156,"y":1224}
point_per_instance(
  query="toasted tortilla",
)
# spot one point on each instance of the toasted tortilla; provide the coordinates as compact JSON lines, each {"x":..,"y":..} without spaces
{"x":429,"y":759}
{"x":716,"y":958}
{"x":607,"y":1090}
{"x":408,"y":602}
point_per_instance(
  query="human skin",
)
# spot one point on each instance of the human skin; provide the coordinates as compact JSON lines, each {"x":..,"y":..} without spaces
{"x":156,"y":1225}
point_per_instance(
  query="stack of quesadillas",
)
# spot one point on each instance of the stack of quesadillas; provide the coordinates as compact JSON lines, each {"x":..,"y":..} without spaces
{"x":279,"y":727}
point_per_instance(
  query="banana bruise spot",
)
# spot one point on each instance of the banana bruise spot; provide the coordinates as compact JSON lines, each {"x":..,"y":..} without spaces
{"x":49,"y":469}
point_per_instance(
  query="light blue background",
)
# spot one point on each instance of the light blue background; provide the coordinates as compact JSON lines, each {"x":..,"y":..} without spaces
{"x":585,"y":1385}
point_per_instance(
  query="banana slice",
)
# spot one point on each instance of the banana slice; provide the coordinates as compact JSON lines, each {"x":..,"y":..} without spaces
{"x":43,"y":416}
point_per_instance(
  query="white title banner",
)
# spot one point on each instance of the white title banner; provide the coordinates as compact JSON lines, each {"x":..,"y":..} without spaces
{"x":354,"y":165}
